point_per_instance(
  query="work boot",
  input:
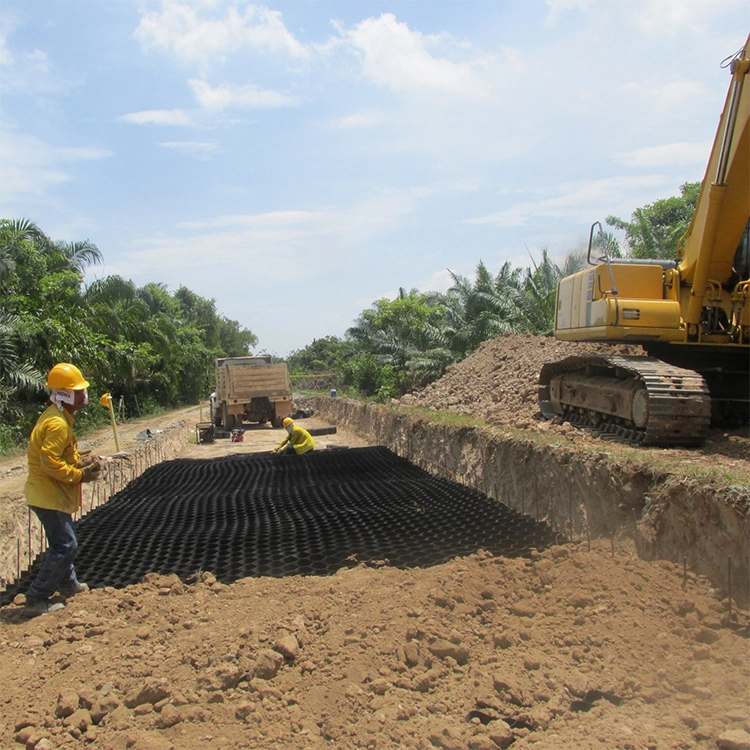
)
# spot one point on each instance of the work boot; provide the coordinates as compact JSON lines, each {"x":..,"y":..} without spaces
{"x":79,"y":588}
{"x":35,"y":607}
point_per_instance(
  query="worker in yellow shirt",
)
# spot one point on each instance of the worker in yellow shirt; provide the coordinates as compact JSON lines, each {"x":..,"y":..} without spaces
{"x":53,"y":487}
{"x":298,"y":440}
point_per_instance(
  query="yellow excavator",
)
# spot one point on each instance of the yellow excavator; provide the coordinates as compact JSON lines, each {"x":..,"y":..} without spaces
{"x":691,"y":315}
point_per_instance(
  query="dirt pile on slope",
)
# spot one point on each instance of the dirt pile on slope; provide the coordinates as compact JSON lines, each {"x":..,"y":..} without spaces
{"x":572,"y":648}
{"x":498,"y":383}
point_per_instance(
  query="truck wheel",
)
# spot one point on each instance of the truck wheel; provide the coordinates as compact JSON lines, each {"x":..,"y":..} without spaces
{"x":276,"y":422}
{"x":229,"y":422}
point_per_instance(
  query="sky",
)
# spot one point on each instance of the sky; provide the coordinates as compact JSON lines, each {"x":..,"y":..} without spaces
{"x":296,"y":161}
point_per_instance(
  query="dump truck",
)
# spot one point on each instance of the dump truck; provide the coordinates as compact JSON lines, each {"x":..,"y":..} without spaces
{"x":250,"y":389}
{"x":691,"y":314}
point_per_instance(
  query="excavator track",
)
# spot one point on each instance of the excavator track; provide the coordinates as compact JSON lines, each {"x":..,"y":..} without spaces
{"x":636,"y":400}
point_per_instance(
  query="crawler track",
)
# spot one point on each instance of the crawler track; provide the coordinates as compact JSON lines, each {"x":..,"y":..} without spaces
{"x":677,"y":410}
{"x":262,"y":515}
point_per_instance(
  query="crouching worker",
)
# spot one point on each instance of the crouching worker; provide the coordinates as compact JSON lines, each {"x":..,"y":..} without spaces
{"x":298,"y":441}
{"x":53,"y":487}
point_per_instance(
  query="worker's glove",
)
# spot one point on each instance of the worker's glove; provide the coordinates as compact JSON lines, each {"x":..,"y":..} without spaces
{"x":85,"y":458}
{"x":91,"y":471}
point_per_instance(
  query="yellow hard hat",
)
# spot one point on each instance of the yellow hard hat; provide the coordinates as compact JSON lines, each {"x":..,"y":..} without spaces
{"x":287,"y":421}
{"x":64,"y":376}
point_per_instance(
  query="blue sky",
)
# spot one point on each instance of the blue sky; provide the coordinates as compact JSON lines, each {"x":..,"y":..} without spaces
{"x":296,"y":161}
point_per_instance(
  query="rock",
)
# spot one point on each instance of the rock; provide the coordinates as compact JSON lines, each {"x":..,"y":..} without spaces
{"x":525,"y":608}
{"x":267,"y":664}
{"x":102,"y":707}
{"x":411,"y":654}
{"x":244,"y":710}
{"x":118,"y":719}
{"x":501,"y":733}
{"x":288,"y":647}
{"x":168,"y":717}
{"x":223,"y":677}
{"x":80,"y":719}
{"x":733,"y":739}
{"x":445,"y":649}
{"x":151,"y":691}
{"x":380,"y":686}
{"x":446,"y":738}
{"x":67,"y":704}
{"x":707,"y":636}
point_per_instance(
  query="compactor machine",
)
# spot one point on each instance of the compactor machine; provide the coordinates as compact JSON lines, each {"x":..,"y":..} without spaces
{"x":690,"y":314}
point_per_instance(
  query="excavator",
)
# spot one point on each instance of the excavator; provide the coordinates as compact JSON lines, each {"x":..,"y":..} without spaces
{"x":690,"y":315}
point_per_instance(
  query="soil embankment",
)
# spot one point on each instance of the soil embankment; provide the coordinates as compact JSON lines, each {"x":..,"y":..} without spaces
{"x":579,"y":646}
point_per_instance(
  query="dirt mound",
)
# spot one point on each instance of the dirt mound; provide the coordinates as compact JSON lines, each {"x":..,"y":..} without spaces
{"x":571,"y":648}
{"x":498,"y":384}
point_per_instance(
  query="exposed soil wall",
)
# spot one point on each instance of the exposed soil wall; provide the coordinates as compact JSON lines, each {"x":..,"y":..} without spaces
{"x":582,"y":493}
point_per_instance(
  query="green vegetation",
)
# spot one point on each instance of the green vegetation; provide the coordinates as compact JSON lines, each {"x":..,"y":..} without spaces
{"x":654,"y":231}
{"x":400,"y":345}
{"x":153,"y":348}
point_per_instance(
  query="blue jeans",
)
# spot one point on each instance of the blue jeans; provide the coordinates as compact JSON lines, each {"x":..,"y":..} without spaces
{"x":57,"y":572}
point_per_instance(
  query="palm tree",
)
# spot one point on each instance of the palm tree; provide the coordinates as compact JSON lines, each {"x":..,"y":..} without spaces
{"x":13,"y":373}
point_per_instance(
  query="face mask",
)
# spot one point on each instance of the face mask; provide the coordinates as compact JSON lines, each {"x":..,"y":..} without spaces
{"x":62,"y":396}
{"x":289,"y":429}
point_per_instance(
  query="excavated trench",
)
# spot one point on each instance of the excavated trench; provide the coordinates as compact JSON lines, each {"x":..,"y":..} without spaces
{"x":262,"y":515}
{"x":584,"y":493}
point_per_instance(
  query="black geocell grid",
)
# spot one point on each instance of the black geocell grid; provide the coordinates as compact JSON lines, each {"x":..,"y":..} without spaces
{"x":264,"y":515}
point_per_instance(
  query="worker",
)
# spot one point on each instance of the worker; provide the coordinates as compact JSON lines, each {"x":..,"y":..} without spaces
{"x":298,"y":440}
{"x":53,"y":487}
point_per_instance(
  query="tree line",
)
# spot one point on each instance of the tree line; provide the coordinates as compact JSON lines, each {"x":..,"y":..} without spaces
{"x":397,"y":346}
{"x":156,"y":348}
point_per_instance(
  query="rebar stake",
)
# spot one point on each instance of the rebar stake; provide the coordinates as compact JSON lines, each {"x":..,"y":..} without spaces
{"x":684,"y":571}
{"x":612,"y":542}
{"x":729,"y":584}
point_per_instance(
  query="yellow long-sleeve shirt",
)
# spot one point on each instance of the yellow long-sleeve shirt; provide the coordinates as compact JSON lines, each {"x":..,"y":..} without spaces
{"x":301,"y":440}
{"x":54,"y":479}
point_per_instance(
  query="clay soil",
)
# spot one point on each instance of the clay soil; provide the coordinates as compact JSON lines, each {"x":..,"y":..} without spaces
{"x":574,"y":647}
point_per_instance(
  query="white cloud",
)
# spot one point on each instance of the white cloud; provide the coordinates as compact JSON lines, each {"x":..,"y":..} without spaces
{"x":357,"y":120}
{"x":249,"y":96}
{"x":289,"y":245}
{"x":652,"y":17}
{"x":6,"y":58}
{"x":195,"y":32}
{"x":578,"y":201}
{"x":398,"y":58}
{"x":158,"y":117}
{"x":270,"y":219}
{"x":29,"y":166}
{"x":82,"y":154}
{"x":670,"y":95}
{"x":673,"y":154}
{"x":440,"y":281}
{"x":197,"y":149}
